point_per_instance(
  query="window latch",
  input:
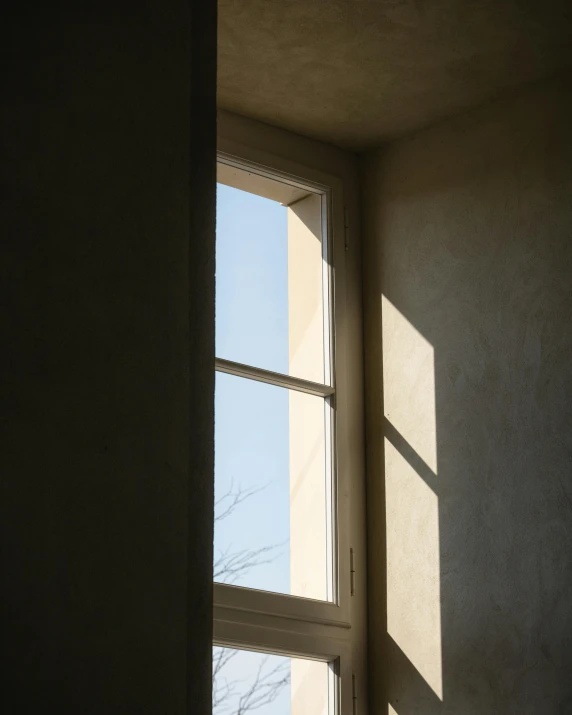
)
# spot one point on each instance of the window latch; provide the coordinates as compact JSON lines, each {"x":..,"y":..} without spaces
{"x":354,"y":695}
{"x":352,"y":573}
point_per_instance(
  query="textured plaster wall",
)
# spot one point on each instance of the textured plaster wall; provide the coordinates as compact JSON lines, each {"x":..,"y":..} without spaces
{"x":468,"y":258}
{"x":107,"y":355}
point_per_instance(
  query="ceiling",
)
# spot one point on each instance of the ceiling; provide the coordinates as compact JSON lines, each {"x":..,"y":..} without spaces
{"x":357,"y":73}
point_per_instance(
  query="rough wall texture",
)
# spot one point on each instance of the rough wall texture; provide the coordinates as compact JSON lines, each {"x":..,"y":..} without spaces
{"x":366,"y":71}
{"x":468,"y":236}
{"x":107,"y":346}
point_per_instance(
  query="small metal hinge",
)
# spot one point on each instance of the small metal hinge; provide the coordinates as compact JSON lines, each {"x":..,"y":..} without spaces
{"x":354,"y":695}
{"x":352,"y":573}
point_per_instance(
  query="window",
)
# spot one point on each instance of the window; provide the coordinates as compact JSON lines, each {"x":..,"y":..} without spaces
{"x":288,"y":623}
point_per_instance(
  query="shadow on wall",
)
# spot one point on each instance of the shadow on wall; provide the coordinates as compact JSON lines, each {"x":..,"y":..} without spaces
{"x":468,"y":234}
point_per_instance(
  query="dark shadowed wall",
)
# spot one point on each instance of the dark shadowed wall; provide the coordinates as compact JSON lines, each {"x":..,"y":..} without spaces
{"x":107,"y":356}
{"x":468,"y":261}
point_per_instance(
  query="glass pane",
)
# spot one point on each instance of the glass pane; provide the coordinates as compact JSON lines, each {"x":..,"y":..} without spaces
{"x":272,"y":526}
{"x":269,"y":288}
{"x":244,"y":681}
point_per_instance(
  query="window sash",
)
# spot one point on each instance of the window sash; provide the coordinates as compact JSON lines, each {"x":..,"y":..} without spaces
{"x":336,"y":608}
{"x":325,"y":389}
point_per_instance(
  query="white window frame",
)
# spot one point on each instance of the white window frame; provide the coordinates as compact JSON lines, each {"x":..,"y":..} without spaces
{"x":271,"y":622}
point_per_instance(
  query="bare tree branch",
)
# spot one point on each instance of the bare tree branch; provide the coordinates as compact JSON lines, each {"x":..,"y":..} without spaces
{"x":228,"y":567}
{"x":234,"y":696}
{"x":221,"y":657}
{"x":227,"y":503}
{"x":223,"y":689}
{"x":265,"y":687}
{"x":237,"y":697}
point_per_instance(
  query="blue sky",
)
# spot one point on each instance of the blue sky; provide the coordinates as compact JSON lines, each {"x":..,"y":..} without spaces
{"x":251,"y":418}
{"x":252,"y":280}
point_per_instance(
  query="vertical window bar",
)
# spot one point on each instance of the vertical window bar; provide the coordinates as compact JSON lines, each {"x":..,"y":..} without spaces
{"x":329,"y":415}
{"x":334,"y":688}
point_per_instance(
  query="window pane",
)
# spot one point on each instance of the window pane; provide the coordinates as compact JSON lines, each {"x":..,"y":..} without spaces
{"x":269,"y":283}
{"x":244,"y":681}
{"x":272,"y":488}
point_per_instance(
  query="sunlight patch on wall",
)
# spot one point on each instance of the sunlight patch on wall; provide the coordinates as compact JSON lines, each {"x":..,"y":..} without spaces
{"x":409,"y":383}
{"x":413,"y":567}
{"x":412,"y":507}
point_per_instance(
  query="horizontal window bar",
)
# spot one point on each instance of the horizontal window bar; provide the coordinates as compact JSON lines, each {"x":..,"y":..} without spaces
{"x":273,"y":174}
{"x":228,"y":599}
{"x":273,"y":378}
